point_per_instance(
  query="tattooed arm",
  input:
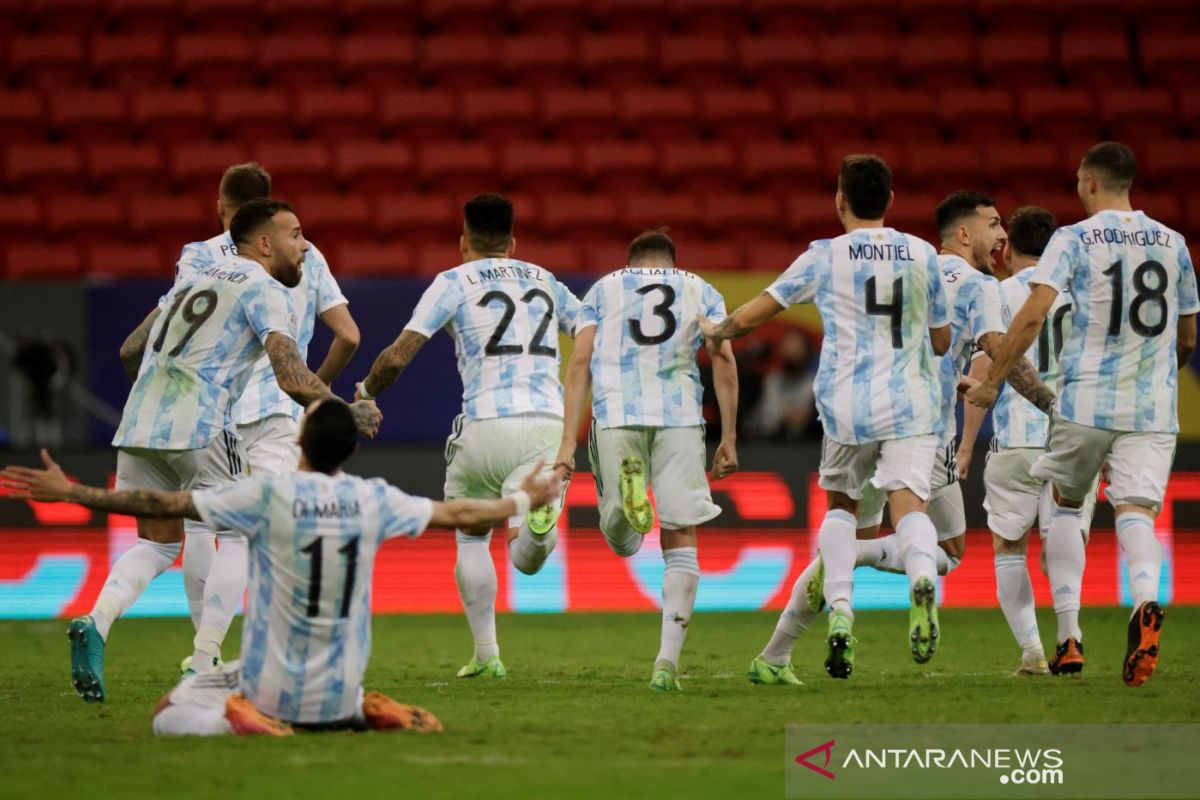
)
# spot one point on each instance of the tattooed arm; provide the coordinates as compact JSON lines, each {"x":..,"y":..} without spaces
{"x":135,"y":345}
{"x":393,"y":361}
{"x":299,"y":383}
{"x":746,"y":318}
{"x":1023,"y":378}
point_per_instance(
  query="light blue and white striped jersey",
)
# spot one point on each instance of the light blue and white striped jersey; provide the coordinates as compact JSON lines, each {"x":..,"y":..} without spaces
{"x":316,"y":293}
{"x":644,"y":368}
{"x":975,"y":310}
{"x":879,"y":291}
{"x":313,"y":540}
{"x":200,"y":354}
{"x":1016,"y":421}
{"x":504,"y":316}
{"x":1130,"y":279}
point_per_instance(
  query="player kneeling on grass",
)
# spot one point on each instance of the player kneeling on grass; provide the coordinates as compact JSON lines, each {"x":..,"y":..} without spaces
{"x":313,"y":538}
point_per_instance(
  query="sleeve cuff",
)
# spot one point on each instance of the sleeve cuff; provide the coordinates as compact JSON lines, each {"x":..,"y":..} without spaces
{"x":771,"y":290}
{"x":584,"y":323}
{"x":338,"y":301}
{"x":415,"y":328}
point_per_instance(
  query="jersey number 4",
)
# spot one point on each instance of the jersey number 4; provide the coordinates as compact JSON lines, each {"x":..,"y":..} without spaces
{"x":198,"y":308}
{"x":537,"y":342}
{"x":894,"y":309}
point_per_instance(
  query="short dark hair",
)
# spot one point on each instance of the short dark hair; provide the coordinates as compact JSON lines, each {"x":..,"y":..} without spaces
{"x":1030,"y":229}
{"x":329,"y":436}
{"x":652,"y":242}
{"x":956,"y":207}
{"x":489,"y":222}
{"x":866,"y":181}
{"x":1115,"y":162}
{"x":250,"y":218}
{"x":242,"y":183}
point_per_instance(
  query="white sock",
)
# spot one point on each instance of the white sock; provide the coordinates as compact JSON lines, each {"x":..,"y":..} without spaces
{"x":1015,"y":593}
{"x":528,"y":552}
{"x":1143,"y":555}
{"x":191,"y":721}
{"x":885,"y":555}
{"x":681,"y":577}
{"x":918,"y":542}
{"x":794,"y":620}
{"x":476,"y":576}
{"x":836,"y":542}
{"x":199,"y":550}
{"x":223,"y":592}
{"x":872,"y":552}
{"x":129,"y":577}
{"x":946,"y":563}
{"x":1064,"y":565}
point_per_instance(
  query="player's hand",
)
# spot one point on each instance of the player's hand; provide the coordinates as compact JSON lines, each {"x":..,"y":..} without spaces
{"x":982,"y":394}
{"x":963,"y":459}
{"x":367,"y":417}
{"x":965,"y":384}
{"x":709,"y":330}
{"x":541,"y":490}
{"x":49,"y":485}
{"x":564,"y":461}
{"x":725,"y":460}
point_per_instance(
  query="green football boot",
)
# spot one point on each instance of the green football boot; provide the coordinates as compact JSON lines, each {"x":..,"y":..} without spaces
{"x":765,"y":673}
{"x":923,"y":621}
{"x":492,"y":668}
{"x":634,"y":500}
{"x":840,"y":661}
{"x":663,"y":679}
{"x":814,"y":590}
{"x":87,"y":659}
{"x":541,"y":519}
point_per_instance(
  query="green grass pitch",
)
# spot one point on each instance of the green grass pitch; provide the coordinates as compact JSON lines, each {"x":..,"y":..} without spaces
{"x":575,"y":718}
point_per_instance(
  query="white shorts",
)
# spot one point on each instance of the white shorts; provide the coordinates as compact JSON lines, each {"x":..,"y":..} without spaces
{"x":675,"y":463}
{"x":1139,"y":464}
{"x":182,"y":470}
{"x":945,"y":499}
{"x":271,"y":445}
{"x":1015,"y":499}
{"x":488,"y":458}
{"x":890,"y":465}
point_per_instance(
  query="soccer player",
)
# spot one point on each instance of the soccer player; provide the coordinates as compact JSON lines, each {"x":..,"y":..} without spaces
{"x":1014,"y":498}
{"x":1135,"y":303}
{"x":176,"y":429}
{"x":505,"y":316}
{"x":313,"y":535}
{"x":883,"y":307}
{"x":636,"y":344}
{"x":215,"y":579}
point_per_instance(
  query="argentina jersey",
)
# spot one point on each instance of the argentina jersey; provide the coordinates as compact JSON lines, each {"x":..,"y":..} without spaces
{"x":644,"y":369}
{"x":316,"y":293}
{"x":975,"y":310}
{"x":504,"y":316}
{"x":200,"y":352}
{"x":313,"y":539}
{"x":879,"y":291}
{"x":1130,"y":279}
{"x":1016,"y":421}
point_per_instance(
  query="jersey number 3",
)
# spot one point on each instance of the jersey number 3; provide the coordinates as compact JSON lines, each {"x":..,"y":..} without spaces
{"x":662,"y":310}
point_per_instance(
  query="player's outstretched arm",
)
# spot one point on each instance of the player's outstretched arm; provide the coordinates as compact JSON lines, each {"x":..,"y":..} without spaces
{"x":135,"y":345}
{"x":345,"y":342}
{"x":1185,"y":341}
{"x":1021,"y":334}
{"x":575,"y":392}
{"x":743,"y":320}
{"x":50,"y":485}
{"x":972,"y":417}
{"x":299,"y":383}
{"x":1023,"y":378}
{"x":534,"y":492}
{"x":390,"y":363}
{"x":725,"y":383}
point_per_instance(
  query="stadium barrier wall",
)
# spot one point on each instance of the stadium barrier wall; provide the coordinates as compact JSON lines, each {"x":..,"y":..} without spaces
{"x":54,"y":558}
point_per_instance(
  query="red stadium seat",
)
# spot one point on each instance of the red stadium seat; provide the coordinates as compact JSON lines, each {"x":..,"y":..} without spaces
{"x":131,"y":59}
{"x":374,"y":165}
{"x":298,"y":60}
{"x":22,"y":115}
{"x":940,"y":167}
{"x":560,"y":257}
{"x":720,"y":16}
{"x":53,"y":61}
{"x":42,"y":262}
{"x":741,"y":114}
{"x":783,"y":165}
{"x":617,"y":59}
{"x":807,"y":215}
{"x":1166,"y":207}
{"x":357,"y":259}
{"x":408,"y":212}
{"x":902,"y":114}
{"x":700,"y":165}
{"x":168,"y":113}
{"x":549,"y":15}
{"x":603,"y":257}
{"x":44,"y":166}
{"x":62,"y":16}
{"x":629,"y":13}
{"x":951,"y":17}
{"x":859,"y":59}
{"x":21,"y":214}
{"x":768,"y":255}
{"x":86,"y":114}
{"x":1171,"y":162}
{"x":477,"y":15}
{"x":1171,"y":58}
{"x":579,"y":114}
{"x":913,"y":212}
{"x":172,"y":219}
{"x":200,"y":164}
{"x":704,"y":257}
{"x":302,"y":16}
{"x":126,"y":260}
{"x":224,"y":16}
{"x":1189,"y":107}
{"x":1014,"y":59}
{"x":1192,"y":216}
{"x":252,"y":113}
{"x":295,"y":166}
{"x":419,"y":114}
{"x":216,"y":59}
{"x":461,"y":59}
{"x":427,"y":260}
{"x":699,"y":59}
{"x":1135,"y":114}
{"x":454,"y":166}
{"x":500,"y":113}
{"x":979,"y":113}
{"x":378,"y":59}
{"x":742,"y":214}
{"x":790,"y":15}
{"x":335,"y":113}
{"x":578,"y":213}
{"x":823,"y":114}
{"x":620,"y":166}
{"x":1024,"y":165}
{"x":1097,"y":58}
{"x":381,"y":16}
{"x":1060,"y":113}
{"x":679,"y":211}
{"x":540,"y":166}
{"x":940,"y":59}
{"x":659,"y":113}
{"x":333,"y":217}
{"x":780,"y":59}
{"x":125,"y":166}
{"x":151,"y":16}
{"x":540,"y":59}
